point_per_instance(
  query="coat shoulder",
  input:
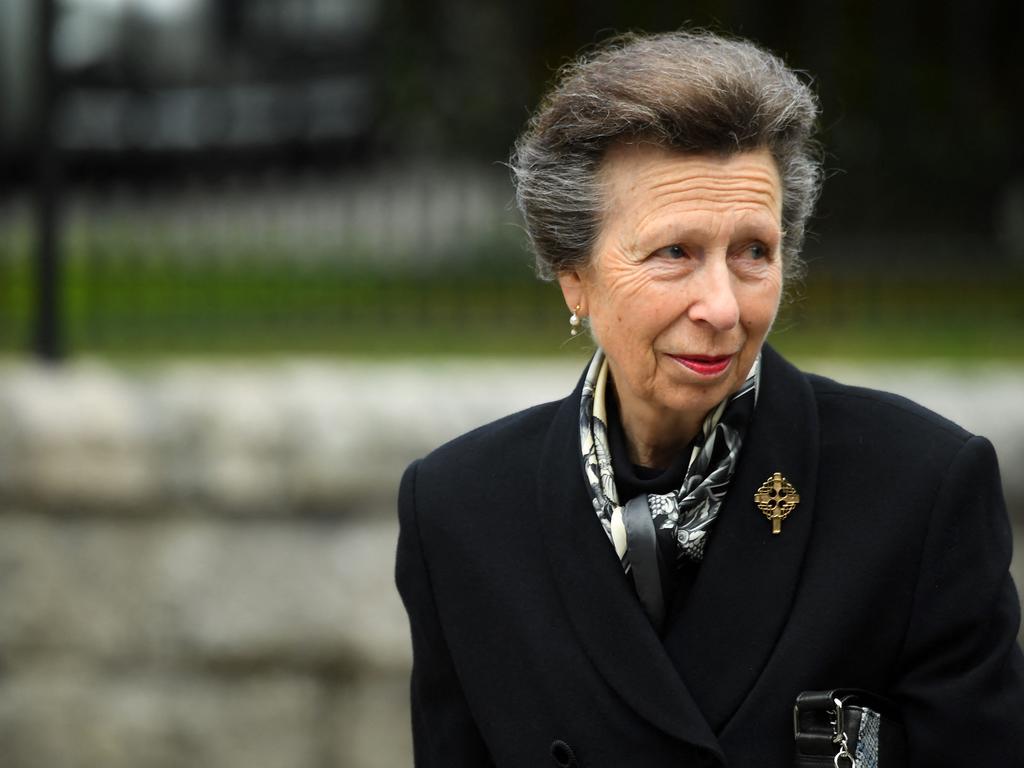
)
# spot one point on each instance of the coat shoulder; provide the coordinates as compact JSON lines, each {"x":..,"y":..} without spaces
{"x":495,"y":460}
{"x":867,"y":412}
{"x":504,"y":436}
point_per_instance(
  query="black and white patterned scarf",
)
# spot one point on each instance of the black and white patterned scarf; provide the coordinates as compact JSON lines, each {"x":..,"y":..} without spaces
{"x":685,"y":516}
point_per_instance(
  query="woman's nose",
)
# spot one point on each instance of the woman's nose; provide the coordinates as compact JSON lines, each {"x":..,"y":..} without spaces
{"x":715,"y":302}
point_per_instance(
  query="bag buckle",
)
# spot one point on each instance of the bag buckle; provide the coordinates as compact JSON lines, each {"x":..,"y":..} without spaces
{"x":843,"y":758}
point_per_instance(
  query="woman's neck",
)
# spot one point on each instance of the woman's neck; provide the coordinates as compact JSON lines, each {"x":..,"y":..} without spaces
{"x":655,"y":437}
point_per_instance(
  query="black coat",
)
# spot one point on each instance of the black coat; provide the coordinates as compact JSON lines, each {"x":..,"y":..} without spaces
{"x":531,"y":648}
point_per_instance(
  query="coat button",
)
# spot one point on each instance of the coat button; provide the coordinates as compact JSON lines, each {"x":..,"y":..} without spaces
{"x":563,"y":755}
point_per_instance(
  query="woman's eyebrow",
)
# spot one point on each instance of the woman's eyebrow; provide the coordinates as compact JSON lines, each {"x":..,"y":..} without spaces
{"x":754,"y":225}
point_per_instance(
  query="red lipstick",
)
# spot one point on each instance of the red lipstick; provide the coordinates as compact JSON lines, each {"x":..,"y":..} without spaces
{"x":705,"y":365}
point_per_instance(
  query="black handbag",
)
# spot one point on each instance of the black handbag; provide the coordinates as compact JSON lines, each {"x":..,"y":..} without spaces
{"x":848,"y":728}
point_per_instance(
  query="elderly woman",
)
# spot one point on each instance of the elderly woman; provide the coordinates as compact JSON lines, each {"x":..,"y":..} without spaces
{"x":650,"y":571}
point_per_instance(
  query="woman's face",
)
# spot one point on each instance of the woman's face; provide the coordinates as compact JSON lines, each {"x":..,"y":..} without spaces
{"x":685,"y":278}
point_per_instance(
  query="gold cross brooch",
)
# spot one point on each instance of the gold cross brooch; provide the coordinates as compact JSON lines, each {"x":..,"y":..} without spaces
{"x":776,"y":498}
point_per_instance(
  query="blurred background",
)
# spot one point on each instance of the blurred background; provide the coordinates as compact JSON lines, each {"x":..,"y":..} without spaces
{"x":256,"y":255}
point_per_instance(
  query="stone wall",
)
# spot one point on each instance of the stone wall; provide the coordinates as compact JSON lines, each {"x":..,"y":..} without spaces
{"x":196,"y":559}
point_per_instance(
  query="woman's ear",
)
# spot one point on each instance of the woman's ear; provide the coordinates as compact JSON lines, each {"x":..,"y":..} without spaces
{"x":573,"y":291}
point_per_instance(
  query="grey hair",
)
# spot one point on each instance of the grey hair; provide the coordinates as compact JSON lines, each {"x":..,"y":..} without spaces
{"x":695,"y":92}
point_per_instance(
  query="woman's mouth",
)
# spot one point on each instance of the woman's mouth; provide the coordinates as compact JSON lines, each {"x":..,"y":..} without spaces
{"x":705,"y":365}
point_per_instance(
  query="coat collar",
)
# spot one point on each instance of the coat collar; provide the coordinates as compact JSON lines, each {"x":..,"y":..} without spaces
{"x":745,"y":586}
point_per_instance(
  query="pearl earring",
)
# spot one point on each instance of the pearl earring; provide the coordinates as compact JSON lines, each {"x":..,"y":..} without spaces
{"x":574,"y":321}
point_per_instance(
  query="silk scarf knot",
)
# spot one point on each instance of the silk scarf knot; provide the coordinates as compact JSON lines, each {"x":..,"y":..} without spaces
{"x":686,"y":515}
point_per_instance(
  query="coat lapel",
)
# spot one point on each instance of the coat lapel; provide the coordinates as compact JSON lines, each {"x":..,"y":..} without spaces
{"x":601,"y":603}
{"x":722,"y":637}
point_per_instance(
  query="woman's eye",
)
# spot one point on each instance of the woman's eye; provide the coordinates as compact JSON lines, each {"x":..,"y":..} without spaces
{"x":758,"y":250}
{"x":672,"y":251}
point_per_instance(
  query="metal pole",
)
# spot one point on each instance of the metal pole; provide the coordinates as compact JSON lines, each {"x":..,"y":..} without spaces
{"x":47,"y":342}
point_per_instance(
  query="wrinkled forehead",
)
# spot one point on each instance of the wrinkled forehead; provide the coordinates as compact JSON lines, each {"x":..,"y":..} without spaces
{"x":638,"y":175}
